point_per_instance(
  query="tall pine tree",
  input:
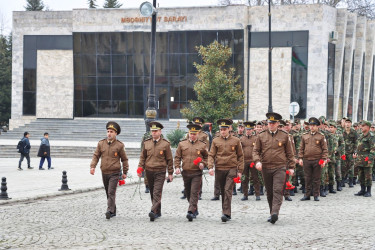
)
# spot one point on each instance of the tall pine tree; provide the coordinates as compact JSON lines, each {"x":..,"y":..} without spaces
{"x":92,"y":4}
{"x":34,"y":5}
{"x":218,"y":93}
{"x":5,"y":78}
{"x":112,"y":4}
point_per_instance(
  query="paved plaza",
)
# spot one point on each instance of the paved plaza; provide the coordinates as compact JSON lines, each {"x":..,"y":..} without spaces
{"x":77,"y":221}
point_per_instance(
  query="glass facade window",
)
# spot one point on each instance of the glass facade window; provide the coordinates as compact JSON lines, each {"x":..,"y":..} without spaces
{"x":31,"y":44}
{"x":330,"y":80}
{"x":361,"y":91}
{"x":350,"y":99}
{"x":298,"y":40}
{"x":370,"y":110}
{"x":111,"y":70}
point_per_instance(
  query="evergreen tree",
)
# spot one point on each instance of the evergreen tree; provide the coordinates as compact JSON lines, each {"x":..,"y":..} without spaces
{"x":34,"y":5}
{"x":112,"y":4}
{"x":92,"y":4}
{"x":218,"y":93}
{"x":5,"y":78}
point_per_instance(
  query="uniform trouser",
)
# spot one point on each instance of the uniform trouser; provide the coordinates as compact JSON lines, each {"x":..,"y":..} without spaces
{"x":193,"y":184}
{"x":355,"y":171}
{"x":298,"y":173}
{"x":156,"y":183}
{"x":27,"y":156}
{"x":331,"y":173}
{"x":324,"y":176}
{"x":274,"y":180}
{"x":224,"y":178}
{"x":313,"y":173}
{"x":254,"y":176}
{"x":42,"y":159}
{"x":347,"y":169}
{"x":110,"y":184}
{"x":365,"y":176}
{"x":217,"y":188}
{"x":338,"y":170}
{"x":145,"y":178}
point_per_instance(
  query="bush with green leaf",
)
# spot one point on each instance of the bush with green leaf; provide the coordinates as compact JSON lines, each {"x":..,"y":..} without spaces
{"x":175,"y":137}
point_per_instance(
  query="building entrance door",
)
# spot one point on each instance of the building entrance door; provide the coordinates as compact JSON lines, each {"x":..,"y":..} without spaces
{"x":162,"y":103}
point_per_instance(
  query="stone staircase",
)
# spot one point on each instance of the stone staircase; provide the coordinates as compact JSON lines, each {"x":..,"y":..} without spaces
{"x":80,"y":130}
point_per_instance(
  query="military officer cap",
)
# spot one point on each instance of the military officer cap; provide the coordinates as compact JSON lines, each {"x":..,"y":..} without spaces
{"x":198,"y":120}
{"x":249,"y":125}
{"x":333,"y":124}
{"x":240,"y":123}
{"x":355,"y":124}
{"x":344,"y":118}
{"x":114,"y":126}
{"x":273,"y":117}
{"x":306,"y":123}
{"x":348,"y":119}
{"x":314,"y":121}
{"x":322,"y":119}
{"x":224,"y":123}
{"x":156,"y":126}
{"x":297,"y":121}
{"x":194,"y":128}
{"x":259,"y":123}
{"x":366,"y":123}
{"x":282,"y":123}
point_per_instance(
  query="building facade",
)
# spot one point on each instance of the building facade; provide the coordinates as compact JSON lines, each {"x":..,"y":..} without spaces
{"x":95,"y":62}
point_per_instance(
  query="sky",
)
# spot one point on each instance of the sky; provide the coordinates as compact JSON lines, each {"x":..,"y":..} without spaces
{"x":7,"y":6}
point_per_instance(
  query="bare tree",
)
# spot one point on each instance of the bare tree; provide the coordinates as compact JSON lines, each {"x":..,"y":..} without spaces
{"x":362,"y":7}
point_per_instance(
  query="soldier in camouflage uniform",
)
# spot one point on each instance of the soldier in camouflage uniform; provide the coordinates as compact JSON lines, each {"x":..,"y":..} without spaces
{"x":340,"y":152}
{"x":324,"y":174}
{"x":332,"y":151}
{"x":364,"y":155}
{"x":298,"y":174}
{"x":350,"y":137}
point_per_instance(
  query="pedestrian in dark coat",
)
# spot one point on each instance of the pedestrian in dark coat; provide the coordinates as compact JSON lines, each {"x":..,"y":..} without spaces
{"x":44,"y":152}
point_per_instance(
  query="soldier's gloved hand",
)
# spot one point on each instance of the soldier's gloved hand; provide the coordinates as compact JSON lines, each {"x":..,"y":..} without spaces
{"x":258,"y":166}
{"x":92,"y":171}
{"x":201,"y":166}
{"x":354,"y":155}
{"x":291,"y":171}
{"x":211,"y":171}
{"x":123,"y":176}
{"x":178,"y":171}
{"x":239,"y":175}
{"x":170,"y":177}
{"x":301,"y":162}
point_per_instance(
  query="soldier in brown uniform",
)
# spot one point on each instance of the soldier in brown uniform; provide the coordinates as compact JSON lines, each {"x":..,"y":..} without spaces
{"x":188,"y":151}
{"x":227,"y":156}
{"x":273,"y":155}
{"x":313,"y":149}
{"x":111,"y":151}
{"x":248,"y":142}
{"x":156,"y":158}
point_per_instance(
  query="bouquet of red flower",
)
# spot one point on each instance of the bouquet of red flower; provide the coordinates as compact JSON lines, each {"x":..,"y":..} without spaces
{"x":343,"y":157}
{"x":121,"y":182}
{"x":139,"y":170}
{"x":252,"y":165}
{"x":321,"y":161}
{"x":288,"y":185}
{"x":366,"y":159}
{"x":197,"y":161}
{"x":237,"y":180}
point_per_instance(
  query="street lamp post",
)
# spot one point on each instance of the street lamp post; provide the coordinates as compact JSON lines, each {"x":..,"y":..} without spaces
{"x":147,"y":10}
{"x":269,"y":59}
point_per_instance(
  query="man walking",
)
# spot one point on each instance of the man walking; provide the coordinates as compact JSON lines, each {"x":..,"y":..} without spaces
{"x":227,"y":156}
{"x":24,"y":149}
{"x":111,"y":151}
{"x":193,"y":155}
{"x":273,"y":155}
{"x":44,"y":152}
{"x":156,"y":158}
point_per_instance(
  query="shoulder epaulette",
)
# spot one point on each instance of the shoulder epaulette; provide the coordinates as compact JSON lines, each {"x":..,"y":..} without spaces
{"x":262,"y":132}
{"x":148,"y":139}
{"x":305,"y":133}
{"x":284,"y":132}
{"x":120,"y":141}
{"x":165,"y":140}
{"x":103,"y":139}
{"x":184,"y":139}
{"x":321,"y":133}
{"x":203,"y":141}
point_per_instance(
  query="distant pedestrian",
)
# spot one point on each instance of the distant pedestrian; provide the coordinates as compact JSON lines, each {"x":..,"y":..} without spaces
{"x":24,"y":149}
{"x":44,"y":152}
{"x":111,"y":151}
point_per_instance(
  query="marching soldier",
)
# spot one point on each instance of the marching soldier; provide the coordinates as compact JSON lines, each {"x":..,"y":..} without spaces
{"x":313,"y":149}
{"x":299,"y":174}
{"x":273,"y":155}
{"x":156,"y":158}
{"x":350,"y":137}
{"x":227,"y":156}
{"x":332,"y":150}
{"x":340,"y":152}
{"x":364,"y":156}
{"x":193,"y":154}
{"x":248,"y":142}
{"x":111,"y":151}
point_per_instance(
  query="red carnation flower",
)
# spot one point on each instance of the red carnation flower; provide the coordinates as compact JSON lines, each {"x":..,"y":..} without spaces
{"x":252,"y":165}
{"x":121,"y":182}
{"x":198,"y":160}
{"x":321,"y":161}
{"x":343,"y":157}
{"x":287,"y":172}
{"x":366,"y":159}
{"x":289,"y":186}
{"x":237,"y":180}
{"x":139,"y":170}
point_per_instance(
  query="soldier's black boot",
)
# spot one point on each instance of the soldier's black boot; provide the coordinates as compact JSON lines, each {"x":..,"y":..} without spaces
{"x":303,"y":189}
{"x":295,"y":190}
{"x":291,"y":192}
{"x":331,"y":190}
{"x":322,"y":193}
{"x":362,"y":192}
{"x":354,"y":180}
{"x":351,"y":182}
{"x":339,"y":188}
{"x":368,"y":193}
{"x":234,"y":190}
{"x":326,"y":190}
{"x":251,"y":192}
{"x":147,"y":190}
{"x":261,"y":190}
{"x":342,"y":183}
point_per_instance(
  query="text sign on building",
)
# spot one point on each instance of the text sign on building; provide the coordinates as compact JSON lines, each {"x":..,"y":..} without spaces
{"x":165,"y":19}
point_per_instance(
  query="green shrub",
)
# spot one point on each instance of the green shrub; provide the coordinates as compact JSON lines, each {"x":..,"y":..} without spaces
{"x":175,"y":137}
